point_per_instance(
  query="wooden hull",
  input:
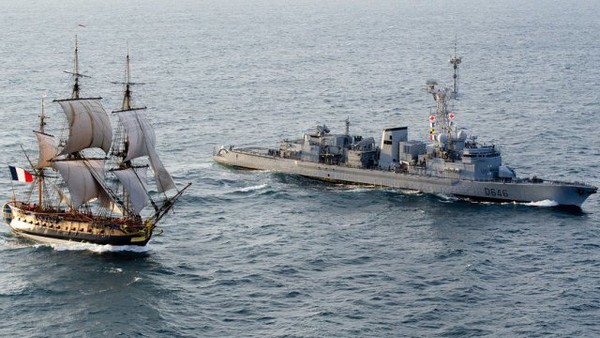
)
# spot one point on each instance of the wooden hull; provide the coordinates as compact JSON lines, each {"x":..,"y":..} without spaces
{"x":54,"y":226}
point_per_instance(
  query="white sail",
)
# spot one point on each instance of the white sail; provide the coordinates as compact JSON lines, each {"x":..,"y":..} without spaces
{"x":115,"y":208}
{"x":63,"y":198}
{"x":140,"y":134}
{"x":89,"y":125}
{"x":164,"y":181}
{"x":134,"y":181}
{"x":48,"y":149}
{"x":141,"y":141}
{"x":81,"y":183}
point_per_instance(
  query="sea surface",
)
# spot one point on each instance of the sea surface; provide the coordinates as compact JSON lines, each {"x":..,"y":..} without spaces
{"x":258,"y":254}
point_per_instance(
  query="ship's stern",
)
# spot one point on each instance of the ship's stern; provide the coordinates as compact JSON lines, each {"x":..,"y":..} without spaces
{"x":7,"y":214}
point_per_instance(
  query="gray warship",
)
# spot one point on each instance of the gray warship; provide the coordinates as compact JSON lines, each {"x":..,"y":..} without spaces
{"x":451,"y":163}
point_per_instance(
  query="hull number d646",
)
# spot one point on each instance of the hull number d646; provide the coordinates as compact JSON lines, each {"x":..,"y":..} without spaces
{"x":496,"y":192}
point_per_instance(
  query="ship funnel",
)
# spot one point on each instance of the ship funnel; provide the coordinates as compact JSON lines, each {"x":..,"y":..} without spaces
{"x":390,"y":146}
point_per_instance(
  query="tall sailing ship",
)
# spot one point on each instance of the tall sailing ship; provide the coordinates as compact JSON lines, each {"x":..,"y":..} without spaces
{"x":100,"y":192}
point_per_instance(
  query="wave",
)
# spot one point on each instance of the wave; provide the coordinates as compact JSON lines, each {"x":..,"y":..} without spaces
{"x":10,"y":242}
{"x":447,"y":198}
{"x":352,"y":188}
{"x":252,"y":188}
{"x":418,"y":193}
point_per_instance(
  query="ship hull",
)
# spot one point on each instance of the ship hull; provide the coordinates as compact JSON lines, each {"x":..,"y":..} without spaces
{"x":561,"y":193}
{"x":55,"y":227}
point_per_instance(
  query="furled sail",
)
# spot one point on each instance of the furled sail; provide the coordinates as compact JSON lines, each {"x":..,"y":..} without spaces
{"x":89,"y":125}
{"x":82,"y":183}
{"x":134,"y":182}
{"x":141,"y":142}
{"x":48,"y":149}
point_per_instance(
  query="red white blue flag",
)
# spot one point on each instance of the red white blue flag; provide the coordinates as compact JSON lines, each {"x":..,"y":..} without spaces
{"x":20,"y":175}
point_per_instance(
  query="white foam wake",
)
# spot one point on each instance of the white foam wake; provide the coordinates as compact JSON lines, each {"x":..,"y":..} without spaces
{"x":97,"y":248}
{"x":252,"y":188}
{"x":542,"y":204}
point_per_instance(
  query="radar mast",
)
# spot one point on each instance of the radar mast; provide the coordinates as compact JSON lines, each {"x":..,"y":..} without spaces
{"x":455,"y":61}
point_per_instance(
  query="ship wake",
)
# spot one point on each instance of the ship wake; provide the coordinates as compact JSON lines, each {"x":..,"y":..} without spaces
{"x":542,"y":204}
{"x":95,"y":248}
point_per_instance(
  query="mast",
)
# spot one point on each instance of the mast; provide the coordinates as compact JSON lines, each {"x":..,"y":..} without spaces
{"x":347,"y":126}
{"x":126,"y":105}
{"x":75,"y":73}
{"x":42,"y":115}
{"x":121,"y":148}
{"x":48,"y":149}
{"x":137,"y":139}
{"x":75,"y":94}
{"x":41,"y":170}
{"x":455,"y":61}
{"x":442,"y":117}
{"x":440,"y":122}
{"x":127,"y":92}
{"x":126,"y":171}
{"x":88,"y":123}
{"x":89,"y":127}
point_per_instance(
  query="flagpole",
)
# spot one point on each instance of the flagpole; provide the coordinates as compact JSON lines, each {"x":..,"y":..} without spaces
{"x":12,"y":187}
{"x":37,"y":177}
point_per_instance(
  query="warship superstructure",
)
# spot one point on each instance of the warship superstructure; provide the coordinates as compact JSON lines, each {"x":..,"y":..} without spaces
{"x":451,"y":162}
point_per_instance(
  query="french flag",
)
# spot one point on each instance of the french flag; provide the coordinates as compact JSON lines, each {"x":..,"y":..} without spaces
{"x":20,"y":175}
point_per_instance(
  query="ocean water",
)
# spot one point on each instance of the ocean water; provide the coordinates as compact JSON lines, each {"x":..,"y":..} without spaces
{"x":254,"y":254}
